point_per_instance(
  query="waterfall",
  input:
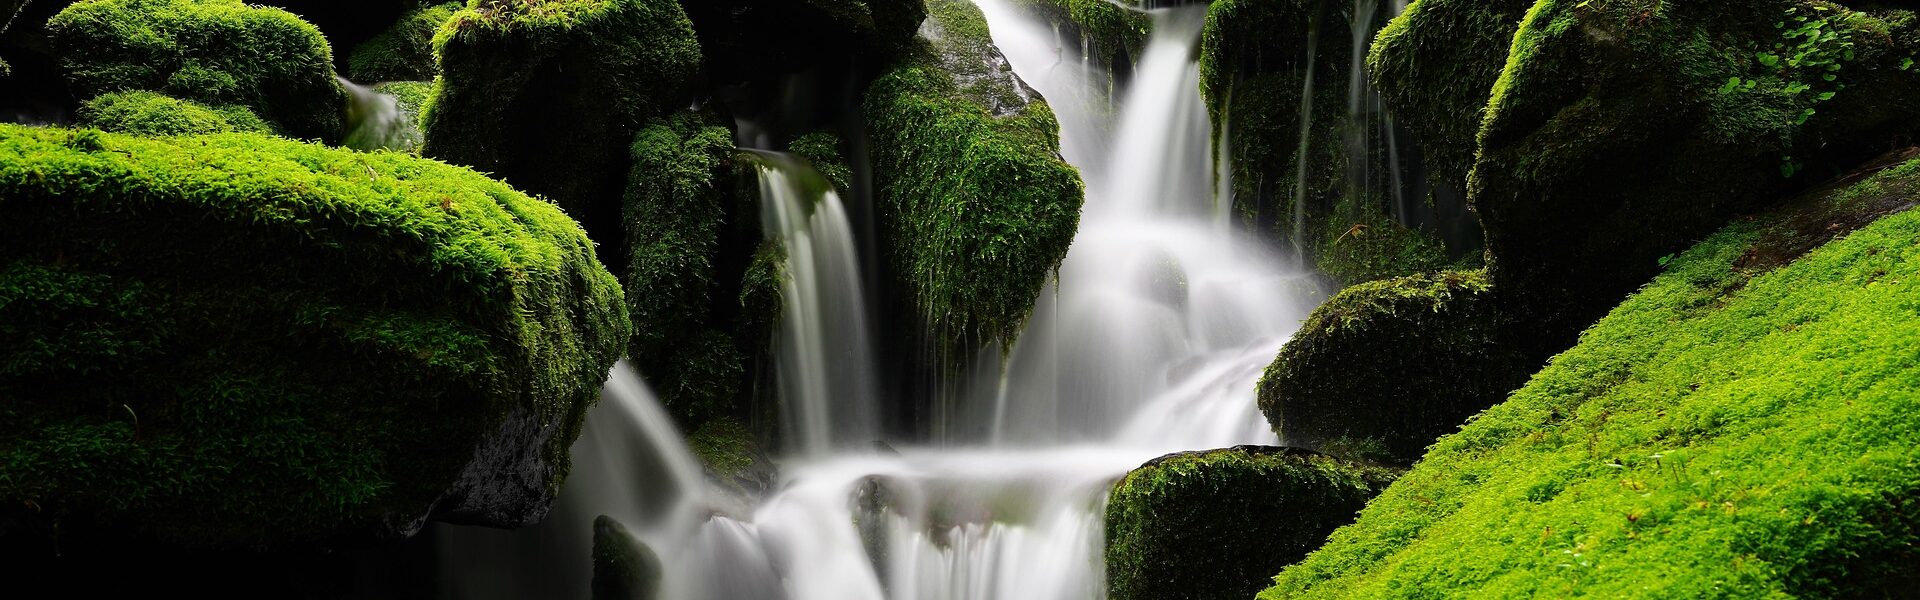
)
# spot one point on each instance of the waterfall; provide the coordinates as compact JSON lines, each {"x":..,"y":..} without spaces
{"x":1306,"y":138}
{"x":826,"y":360}
{"x":375,"y":121}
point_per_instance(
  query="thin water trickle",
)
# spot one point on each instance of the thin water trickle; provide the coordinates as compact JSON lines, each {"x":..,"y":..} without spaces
{"x":375,"y":121}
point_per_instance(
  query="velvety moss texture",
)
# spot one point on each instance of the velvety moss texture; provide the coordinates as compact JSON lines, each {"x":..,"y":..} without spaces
{"x":150,"y":113}
{"x":216,"y":52}
{"x":239,"y":340}
{"x":1738,"y":428}
{"x":548,"y":95}
{"x":1435,"y":67}
{"x":975,"y":205}
{"x":1216,"y":524}
{"x":404,"y":52}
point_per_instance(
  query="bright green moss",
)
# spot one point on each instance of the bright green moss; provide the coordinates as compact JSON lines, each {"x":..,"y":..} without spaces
{"x":1113,"y":36}
{"x":411,"y":96}
{"x":1435,"y":66}
{"x":724,"y":446}
{"x":1214,"y":525}
{"x":403,"y":52}
{"x":822,"y":150}
{"x":1732,"y":430}
{"x":149,"y":113}
{"x":548,"y":95}
{"x":243,"y":340}
{"x":216,"y":52}
{"x":975,"y":205}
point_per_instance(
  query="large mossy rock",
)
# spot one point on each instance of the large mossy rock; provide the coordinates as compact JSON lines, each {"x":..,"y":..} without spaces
{"x":404,"y":51}
{"x":1107,"y":34}
{"x":1214,"y":525}
{"x":975,"y":206}
{"x":1384,"y":368}
{"x":1621,"y":132}
{"x":1336,"y":190}
{"x":1744,"y":426}
{"x":238,"y":340}
{"x":217,"y":52}
{"x":548,"y":95}
{"x":150,"y":113}
{"x":1435,"y":66}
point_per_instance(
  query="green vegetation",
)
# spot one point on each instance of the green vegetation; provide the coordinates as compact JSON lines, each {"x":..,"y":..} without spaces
{"x":403,"y":52}
{"x":548,"y":95}
{"x":1214,"y":525}
{"x":724,"y":446}
{"x":216,"y":52}
{"x":1435,"y":66}
{"x":149,"y":113}
{"x":822,"y":150}
{"x":1738,"y":428}
{"x":1386,"y":367}
{"x":975,"y":205}
{"x":1114,"y":36}
{"x":242,"y":340}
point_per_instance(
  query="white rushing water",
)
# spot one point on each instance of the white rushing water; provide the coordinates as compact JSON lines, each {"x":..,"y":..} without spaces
{"x":1152,"y":342}
{"x":375,"y":121}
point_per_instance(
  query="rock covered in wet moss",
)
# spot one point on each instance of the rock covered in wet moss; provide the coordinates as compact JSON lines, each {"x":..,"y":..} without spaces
{"x":1435,"y":66}
{"x":404,"y":52}
{"x":1337,"y":186}
{"x":624,"y":568}
{"x":217,"y":52}
{"x":548,"y":95}
{"x":244,"y":341}
{"x":1384,"y":368}
{"x":1216,"y":524}
{"x":151,"y":113}
{"x":975,"y":205}
{"x":1110,"y":35}
{"x":1744,"y":426}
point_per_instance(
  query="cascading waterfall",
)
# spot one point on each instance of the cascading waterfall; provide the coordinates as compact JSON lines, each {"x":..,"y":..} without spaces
{"x":1306,"y":139}
{"x":375,"y":121}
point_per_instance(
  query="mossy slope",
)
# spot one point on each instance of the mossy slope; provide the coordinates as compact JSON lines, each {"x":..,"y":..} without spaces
{"x":241,"y":340}
{"x":975,"y":205}
{"x":1214,"y":524}
{"x":548,"y":95}
{"x":217,"y":52}
{"x":1736,"y":429}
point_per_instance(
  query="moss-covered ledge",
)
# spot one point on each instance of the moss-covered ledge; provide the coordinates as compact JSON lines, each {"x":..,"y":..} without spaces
{"x":404,"y":51}
{"x":1214,"y":524}
{"x":1744,"y":426}
{"x":237,"y":340}
{"x":975,"y":205}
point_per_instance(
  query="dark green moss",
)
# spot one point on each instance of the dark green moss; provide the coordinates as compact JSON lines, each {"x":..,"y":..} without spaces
{"x":216,"y":52}
{"x":624,"y":568}
{"x":1737,"y":428}
{"x":1395,"y":364}
{"x":724,"y":446}
{"x":1112,"y":36}
{"x":548,"y":95}
{"x":822,"y":150}
{"x":1435,"y":66}
{"x":975,"y":205}
{"x":404,"y":52}
{"x":242,"y":340}
{"x":1215,"y":524}
{"x":149,"y":113}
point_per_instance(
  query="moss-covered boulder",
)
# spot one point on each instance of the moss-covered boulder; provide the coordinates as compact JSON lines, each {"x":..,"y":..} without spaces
{"x":1744,"y":426}
{"x":241,"y":340}
{"x":1621,"y":132}
{"x":150,"y":113}
{"x":975,"y":206}
{"x":404,"y":52}
{"x":548,"y":95}
{"x":624,"y":568}
{"x":217,"y":52}
{"x":1384,"y":368}
{"x":1435,"y":66}
{"x":1104,"y":33}
{"x":1216,"y":524}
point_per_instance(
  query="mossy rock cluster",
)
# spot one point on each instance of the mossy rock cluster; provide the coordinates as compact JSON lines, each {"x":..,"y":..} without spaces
{"x":549,"y":95}
{"x":1743,"y":426}
{"x":216,"y":52}
{"x":975,"y":206}
{"x":1214,"y":525}
{"x":1339,"y":175}
{"x":237,"y":340}
{"x":404,"y":51}
{"x":150,"y":113}
{"x":1435,"y":66}
{"x":1386,"y":367}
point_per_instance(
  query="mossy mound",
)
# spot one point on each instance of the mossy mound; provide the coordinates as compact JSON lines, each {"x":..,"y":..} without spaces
{"x":975,"y":206}
{"x":1621,"y":132}
{"x":242,"y":340}
{"x":1334,"y":185}
{"x":1111,"y":36}
{"x":150,"y":113}
{"x":1216,"y":524}
{"x":548,"y":95}
{"x":1435,"y":66}
{"x":404,"y":52}
{"x":1737,"y":428}
{"x":217,"y":52}
{"x":1384,"y":368}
